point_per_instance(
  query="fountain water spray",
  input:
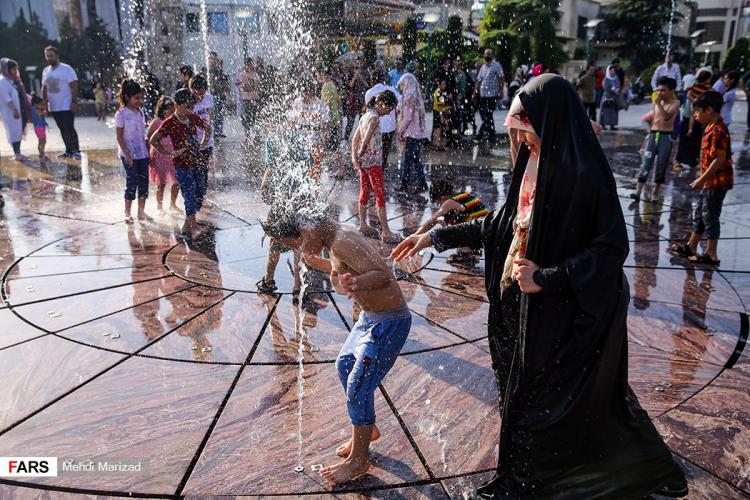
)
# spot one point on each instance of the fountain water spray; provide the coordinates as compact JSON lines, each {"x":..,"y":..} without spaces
{"x":301,"y":372}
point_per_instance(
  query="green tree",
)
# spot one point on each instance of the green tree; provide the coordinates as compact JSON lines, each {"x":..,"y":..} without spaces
{"x":94,"y":50}
{"x":640,"y":24}
{"x":738,"y":57}
{"x":409,"y":36}
{"x":522,"y":30}
{"x":25,"y":41}
{"x":454,"y":37}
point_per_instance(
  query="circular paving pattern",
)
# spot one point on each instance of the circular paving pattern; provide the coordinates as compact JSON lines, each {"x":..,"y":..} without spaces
{"x":145,"y":348}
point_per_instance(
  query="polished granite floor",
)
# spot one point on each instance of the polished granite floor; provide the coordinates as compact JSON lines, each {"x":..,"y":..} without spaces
{"x":124,"y":343}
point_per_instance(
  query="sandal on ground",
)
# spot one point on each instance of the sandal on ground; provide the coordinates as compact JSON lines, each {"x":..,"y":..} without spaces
{"x":682,"y":250}
{"x":266,"y":286}
{"x":704,"y":258}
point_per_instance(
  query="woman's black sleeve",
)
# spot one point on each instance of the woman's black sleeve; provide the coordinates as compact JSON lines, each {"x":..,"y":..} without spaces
{"x":468,"y":234}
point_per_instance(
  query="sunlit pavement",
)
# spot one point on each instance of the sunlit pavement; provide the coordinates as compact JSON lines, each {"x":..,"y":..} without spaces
{"x":125,"y":344}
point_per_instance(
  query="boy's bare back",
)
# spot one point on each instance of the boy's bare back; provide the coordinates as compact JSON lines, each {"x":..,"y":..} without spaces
{"x":352,"y":253}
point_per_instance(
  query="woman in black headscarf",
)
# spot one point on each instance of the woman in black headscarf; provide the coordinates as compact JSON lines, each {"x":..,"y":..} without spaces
{"x":571,"y":425}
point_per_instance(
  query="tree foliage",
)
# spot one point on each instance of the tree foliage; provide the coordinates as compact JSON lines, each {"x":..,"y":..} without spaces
{"x":738,"y":57}
{"x":640,"y":25}
{"x":409,"y":36}
{"x":522,"y":31}
{"x":454,"y":37}
{"x":93,"y":51}
{"x":25,"y":41}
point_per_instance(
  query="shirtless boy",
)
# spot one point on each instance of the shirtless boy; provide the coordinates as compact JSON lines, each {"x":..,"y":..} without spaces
{"x":356,"y":270}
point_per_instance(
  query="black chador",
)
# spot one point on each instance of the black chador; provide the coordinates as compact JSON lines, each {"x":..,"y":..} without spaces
{"x":571,"y":425}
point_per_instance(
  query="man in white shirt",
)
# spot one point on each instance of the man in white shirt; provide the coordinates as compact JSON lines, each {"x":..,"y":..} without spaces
{"x":60,"y":91}
{"x":667,"y":69}
{"x":387,"y":122}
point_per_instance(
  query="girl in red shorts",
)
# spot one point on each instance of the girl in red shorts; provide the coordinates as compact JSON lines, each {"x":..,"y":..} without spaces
{"x":367,"y":157}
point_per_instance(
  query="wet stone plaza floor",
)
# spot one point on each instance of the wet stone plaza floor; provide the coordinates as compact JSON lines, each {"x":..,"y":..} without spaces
{"x":123,"y":343}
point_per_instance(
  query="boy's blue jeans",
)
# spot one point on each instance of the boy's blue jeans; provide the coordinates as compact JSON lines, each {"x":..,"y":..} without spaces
{"x":707,"y":212}
{"x":193,"y":187}
{"x":368,"y":354}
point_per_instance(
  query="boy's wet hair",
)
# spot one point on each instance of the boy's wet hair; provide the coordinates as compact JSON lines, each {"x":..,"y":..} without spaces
{"x":198,"y":82}
{"x":709,"y":99}
{"x":439,"y":189}
{"x":184,"y":96}
{"x":668,"y":82}
{"x":286,"y":222}
{"x":128,"y":89}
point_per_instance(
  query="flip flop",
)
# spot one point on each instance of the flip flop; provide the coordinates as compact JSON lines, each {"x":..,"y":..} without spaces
{"x":682,"y":250}
{"x":704,"y":258}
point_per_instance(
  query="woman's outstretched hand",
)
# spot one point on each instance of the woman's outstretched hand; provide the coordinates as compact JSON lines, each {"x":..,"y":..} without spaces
{"x":410,"y":246}
{"x":524,"y":274}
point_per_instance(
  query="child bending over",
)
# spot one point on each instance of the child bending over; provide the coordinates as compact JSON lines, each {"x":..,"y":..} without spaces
{"x":356,"y":270}
{"x":455,"y":208}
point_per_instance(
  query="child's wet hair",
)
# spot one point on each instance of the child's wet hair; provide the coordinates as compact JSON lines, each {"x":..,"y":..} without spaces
{"x":184,"y":96}
{"x":128,"y":89}
{"x":387,"y":98}
{"x":164,"y":104}
{"x":439,"y":189}
{"x":198,"y":82}
{"x":286,"y":222}
{"x":186,"y":71}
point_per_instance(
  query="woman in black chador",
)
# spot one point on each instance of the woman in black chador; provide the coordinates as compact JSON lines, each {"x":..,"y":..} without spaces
{"x":571,"y":425}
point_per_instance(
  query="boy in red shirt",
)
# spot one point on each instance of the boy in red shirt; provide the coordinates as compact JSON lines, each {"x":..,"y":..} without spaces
{"x":716,"y":178}
{"x":182,"y":128}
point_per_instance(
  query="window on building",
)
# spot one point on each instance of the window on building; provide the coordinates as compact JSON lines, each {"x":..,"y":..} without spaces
{"x":714,"y":30}
{"x":192,"y":22}
{"x":581,"y":32}
{"x":218,"y":22}
{"x":249,"y":24}
{"x":712,"y":12}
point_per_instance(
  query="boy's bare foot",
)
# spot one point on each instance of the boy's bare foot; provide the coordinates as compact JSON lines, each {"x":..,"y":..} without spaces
{"x":345,"y":449}
{"x":345,"y":471}
{"x":144,"y":218}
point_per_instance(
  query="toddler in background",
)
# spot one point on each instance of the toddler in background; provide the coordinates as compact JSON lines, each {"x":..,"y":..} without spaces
{"x":39,"y":120}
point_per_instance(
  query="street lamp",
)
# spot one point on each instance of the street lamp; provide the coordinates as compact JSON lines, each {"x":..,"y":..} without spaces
{"x":430,"y":19}
{"x":590,"y":33}
{"x":708,"y":46}
{"x":694,"y":43}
